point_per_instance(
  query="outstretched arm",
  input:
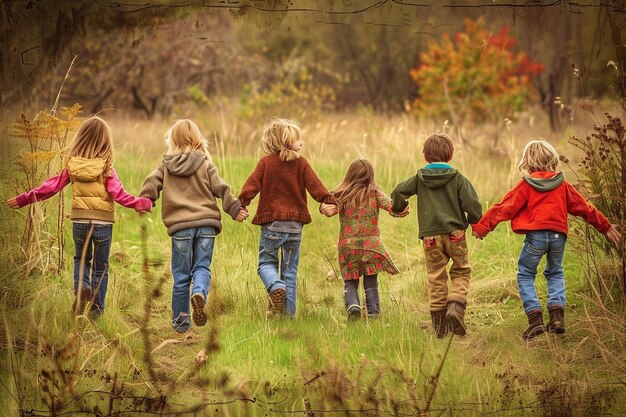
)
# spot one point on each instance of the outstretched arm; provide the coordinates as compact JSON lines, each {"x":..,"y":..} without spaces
{"x":578,"y":206}
{"x":401,"y":194}
{"x":219,"y":188}
{"x":46,"y":190}
{"x":384,"y":203}
{"x":153,"y":184}
{"x":116,"y":190}
{"x":316,"y":188}
{"x":505,"y":210}
{"x":252,"y":186}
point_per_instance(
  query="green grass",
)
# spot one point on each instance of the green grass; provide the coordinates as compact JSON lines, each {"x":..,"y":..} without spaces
{"x":257,"y":366}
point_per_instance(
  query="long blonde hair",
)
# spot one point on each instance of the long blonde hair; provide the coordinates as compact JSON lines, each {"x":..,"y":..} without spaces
{"x":185,"y":136}
{"x":279,"y":135}
{"x":539,"y":155}
{"x":93,"y":140}
{"x":355,"y":189}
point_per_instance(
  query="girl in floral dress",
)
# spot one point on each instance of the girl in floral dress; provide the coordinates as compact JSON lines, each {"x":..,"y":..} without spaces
{"x":361,"y":252}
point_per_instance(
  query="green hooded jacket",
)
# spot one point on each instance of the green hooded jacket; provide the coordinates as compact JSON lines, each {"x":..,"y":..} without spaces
{"x":446,"y":200}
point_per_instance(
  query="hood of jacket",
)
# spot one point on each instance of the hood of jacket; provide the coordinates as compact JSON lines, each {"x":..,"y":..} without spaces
{"x":436,"y":177}
{"x":184,"y":164}
{"x":84,"y":169}
{"x":544,"y":181}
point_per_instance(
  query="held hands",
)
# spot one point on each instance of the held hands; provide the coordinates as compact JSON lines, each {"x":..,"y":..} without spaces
{"x":12,"y":202}
{"x":404,"y":213}
{"x":476,"y":235}
{"x":328,"y":210}
{"x":242,"y":215}
{"x":612,"y":234}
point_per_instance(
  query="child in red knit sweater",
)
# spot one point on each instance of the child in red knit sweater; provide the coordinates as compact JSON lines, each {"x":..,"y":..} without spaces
{"x":282,"y":177}
{"x":537,"y":207}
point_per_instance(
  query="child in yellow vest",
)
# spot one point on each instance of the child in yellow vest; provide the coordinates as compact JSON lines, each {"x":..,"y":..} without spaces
{"x":95,"y":187}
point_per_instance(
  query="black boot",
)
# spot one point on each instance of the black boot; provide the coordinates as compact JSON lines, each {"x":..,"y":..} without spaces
{"x":372,"y":300}
{"x":535,"y":325}
{"x":557,"y":320}
{"x":351,"y":298}
{"x":439,"y":323}
{"x":455,"y":317}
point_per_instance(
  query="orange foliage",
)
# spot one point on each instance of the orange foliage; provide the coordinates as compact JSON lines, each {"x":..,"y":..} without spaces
{"x":477,"y":74}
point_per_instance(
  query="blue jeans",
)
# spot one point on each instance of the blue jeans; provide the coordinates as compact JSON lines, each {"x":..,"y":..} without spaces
{"x":537,"y":244}
{"x":192,"y":252}
{"x":95,"y":241}
{"x":289,"y":244}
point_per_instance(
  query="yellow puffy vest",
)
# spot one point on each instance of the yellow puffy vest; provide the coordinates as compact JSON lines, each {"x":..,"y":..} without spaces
{"x":90,"y":199}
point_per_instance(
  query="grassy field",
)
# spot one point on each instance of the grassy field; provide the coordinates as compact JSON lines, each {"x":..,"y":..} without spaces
{"x":130,"y":362}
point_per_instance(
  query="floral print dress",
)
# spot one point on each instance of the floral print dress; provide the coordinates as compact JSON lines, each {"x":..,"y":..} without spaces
{"x":361,"y":251}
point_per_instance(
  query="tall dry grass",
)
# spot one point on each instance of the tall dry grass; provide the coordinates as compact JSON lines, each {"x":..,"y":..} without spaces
{"x":130,"y":362}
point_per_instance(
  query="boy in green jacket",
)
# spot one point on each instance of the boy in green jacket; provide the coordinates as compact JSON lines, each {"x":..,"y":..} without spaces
{"x":446,"y":204}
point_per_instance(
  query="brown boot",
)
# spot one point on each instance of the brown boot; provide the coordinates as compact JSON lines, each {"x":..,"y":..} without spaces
{"x":455,"y":315}
{"x":277,"y":302}
{"x":439,"y":323}
{"x":81,"y":301}
{"x":557,"y":320}
{"x":535,"y":325}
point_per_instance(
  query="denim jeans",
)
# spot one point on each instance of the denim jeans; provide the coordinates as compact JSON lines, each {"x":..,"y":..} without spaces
{"x":537,"y":244}
{"x":289,"y":244}
{"x":192,"y":252}
{"x":95,"y":241}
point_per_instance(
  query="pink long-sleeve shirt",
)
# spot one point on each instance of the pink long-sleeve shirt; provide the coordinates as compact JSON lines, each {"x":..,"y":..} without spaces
{"x":112,"y":184}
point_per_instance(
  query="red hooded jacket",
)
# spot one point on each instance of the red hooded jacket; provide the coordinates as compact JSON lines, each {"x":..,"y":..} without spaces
{"x":541,"y":201}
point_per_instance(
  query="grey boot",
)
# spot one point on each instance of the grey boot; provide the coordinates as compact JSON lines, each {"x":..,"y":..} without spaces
{"x":372,"y":300}
{"x":351,"y":298}
{"x":455,"y":316}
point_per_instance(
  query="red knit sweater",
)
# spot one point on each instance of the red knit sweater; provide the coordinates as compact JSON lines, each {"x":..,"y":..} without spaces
{"x":530,"y":209}
{"x":283,"y":186}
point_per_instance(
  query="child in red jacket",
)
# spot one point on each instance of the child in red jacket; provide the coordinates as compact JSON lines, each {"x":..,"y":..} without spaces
{"x":537,"y":207}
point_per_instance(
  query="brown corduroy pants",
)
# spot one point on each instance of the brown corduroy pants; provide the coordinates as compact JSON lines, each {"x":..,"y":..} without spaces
{"x":438,"y":251}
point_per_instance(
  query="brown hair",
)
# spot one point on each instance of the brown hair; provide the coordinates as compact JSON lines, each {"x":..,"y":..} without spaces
{"x":355,"y":189}
{"x":184,"y":136}
{"x":93,"y":140}
{"x":438,"y":148}
{"x":539,"y":155}
{"x":279,"y":135}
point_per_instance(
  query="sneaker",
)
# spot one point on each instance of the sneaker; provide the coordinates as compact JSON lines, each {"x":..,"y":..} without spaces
{"x":198,"y":314}
{"x":181,"y":323}
{"x":81,"y":301}
{"x":277,"y":301}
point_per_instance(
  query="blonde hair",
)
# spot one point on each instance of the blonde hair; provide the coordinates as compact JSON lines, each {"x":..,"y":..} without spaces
{"x":279,"y":135}
{"x":539,"y":155}
{"x":184,"y":136}
{"x":93,"y":140}
{"x":355,"y":189}
{"x":438,"y":148}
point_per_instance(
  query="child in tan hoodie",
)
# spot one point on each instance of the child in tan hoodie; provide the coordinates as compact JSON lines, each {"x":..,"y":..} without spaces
{"x":190,"y":183}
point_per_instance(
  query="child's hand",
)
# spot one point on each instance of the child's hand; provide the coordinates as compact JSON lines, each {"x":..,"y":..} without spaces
{"x":142,"y":212}
{"x":476,"y":235}
{"x":612,"y":234}
{"x":242,"y":215}
{"x":328,"y":210}
{"x":13,"y":203}
{"x":404,"y":213}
